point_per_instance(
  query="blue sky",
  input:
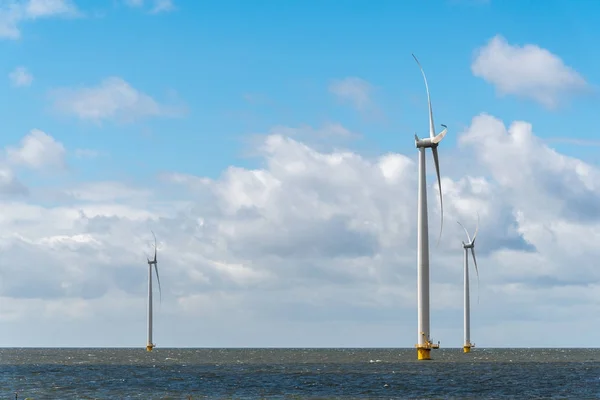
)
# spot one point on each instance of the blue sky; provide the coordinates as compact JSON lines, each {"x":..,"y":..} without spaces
{"x":210,"y":54}
{"x":218,"y":124}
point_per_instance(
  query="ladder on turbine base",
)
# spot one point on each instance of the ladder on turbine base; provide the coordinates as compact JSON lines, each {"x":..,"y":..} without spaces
{"x":423,"y":350}
{"x":467,"y":347}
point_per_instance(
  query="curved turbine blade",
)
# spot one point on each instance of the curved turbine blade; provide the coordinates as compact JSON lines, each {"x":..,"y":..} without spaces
{"x":476,"y":271}
{"x":158,"y":279}
{"x":440,"y":135}
{"x":154,"y":245}
{"x":477,"y":228}
{"x":437,"y":171}
{"x":468,"y":237}
{"x":431,"y":130}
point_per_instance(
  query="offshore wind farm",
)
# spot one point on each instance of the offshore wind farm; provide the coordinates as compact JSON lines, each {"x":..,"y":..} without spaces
{"x":301,"y":238}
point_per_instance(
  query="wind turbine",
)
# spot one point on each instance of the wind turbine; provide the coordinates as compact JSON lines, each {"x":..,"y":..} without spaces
{"x":149,"y":344}
{"x":466,"y":246}
{"x":424,"y":344}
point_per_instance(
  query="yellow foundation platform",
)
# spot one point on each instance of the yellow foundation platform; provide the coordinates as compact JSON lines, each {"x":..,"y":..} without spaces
{"x":423,"y":353}
{"x":424,"y":350}
{"x":467,"y":347}
{"x":149,"y":347}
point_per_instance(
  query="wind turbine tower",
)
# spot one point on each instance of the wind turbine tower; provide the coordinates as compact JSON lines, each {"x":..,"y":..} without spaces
{"x":424,"y":344}
{"x":153,"y":262}
{"x":466,"y":246}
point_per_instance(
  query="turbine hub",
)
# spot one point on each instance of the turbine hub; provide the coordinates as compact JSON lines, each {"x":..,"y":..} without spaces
{"x":425,"y":143}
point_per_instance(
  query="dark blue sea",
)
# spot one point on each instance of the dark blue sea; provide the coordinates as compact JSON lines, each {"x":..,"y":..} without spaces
{"x":298,"y":374}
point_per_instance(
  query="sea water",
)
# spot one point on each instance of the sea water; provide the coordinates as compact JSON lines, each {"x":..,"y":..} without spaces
{"x":298,"y":374}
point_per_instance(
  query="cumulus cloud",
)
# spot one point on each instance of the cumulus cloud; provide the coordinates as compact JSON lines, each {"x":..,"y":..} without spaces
{"x":10,"y":185}
{"x":113,"y":99}
{"x":38,"y":150}
{"x":20,"y":77}
{"x":311,"y":243}
{"x":12,"y":14}
{"x":527,"y":71}
{"x":353,"y":90}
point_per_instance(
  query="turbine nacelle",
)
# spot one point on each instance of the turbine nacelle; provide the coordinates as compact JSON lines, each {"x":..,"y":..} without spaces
{"x":468,"y":245}
{"x":432,"y":141}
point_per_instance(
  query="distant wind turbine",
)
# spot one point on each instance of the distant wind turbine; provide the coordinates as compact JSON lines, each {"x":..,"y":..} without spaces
{"x":149,"y":344}
{"x":466,"y":246}
{"x":425,"y":345}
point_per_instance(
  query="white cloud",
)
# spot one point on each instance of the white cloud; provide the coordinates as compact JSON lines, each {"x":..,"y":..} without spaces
{"x":112,"y":99}
{"x":325,"y":137}
{"x":134,"y":3}
{"x":46,"y":8}
{"x":12,"y":14}
{"x":106,"y":191}
{"x":162,"y":6}
{"x":20,"y":77}
{"x":527,"y":71}
{"x":10,"y":185}
{"x":158,"y":6}
{"x":38,"y":150}
{"x":354,"y":90}
{"x":310,"y":244}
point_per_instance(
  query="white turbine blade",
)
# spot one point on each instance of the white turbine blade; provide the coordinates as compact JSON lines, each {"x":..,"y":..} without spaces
{"x":440,"y":135}
{"x":158,"y":279}
{"x":437,"y":171}
{"x":154,"y":245}
{"x":468,"y":237}
{"x":431,"y":130}
{"x":476,"y":229}
{"x":476,"y":271}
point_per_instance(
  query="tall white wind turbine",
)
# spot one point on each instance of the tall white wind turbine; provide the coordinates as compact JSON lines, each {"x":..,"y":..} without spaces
{"x":424,"y":344}
{"x":149,"y":344}
{"x":466,"y":246}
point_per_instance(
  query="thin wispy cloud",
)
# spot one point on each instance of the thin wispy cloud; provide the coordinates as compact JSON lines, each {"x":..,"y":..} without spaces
{"x":112,"y":99}
{"x":20,"y":77}
{"x":156,"y":6}
{"x":353,"y":90}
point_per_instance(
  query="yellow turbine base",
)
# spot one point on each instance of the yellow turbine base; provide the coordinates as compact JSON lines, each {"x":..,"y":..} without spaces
{"x":149,"y":347}
{"x":423,"y":353}
{"x":466,"y":349}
